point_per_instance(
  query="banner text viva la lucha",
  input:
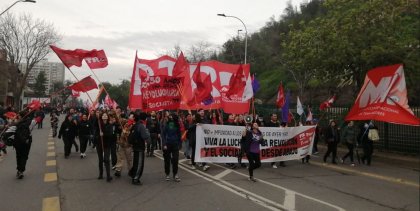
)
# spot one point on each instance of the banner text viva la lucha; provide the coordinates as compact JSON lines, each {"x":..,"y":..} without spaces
{"x":219,"y":72}
{"x":221,"y":143}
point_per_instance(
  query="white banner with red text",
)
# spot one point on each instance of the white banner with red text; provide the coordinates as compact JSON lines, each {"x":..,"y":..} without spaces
{"x":221,"y":143}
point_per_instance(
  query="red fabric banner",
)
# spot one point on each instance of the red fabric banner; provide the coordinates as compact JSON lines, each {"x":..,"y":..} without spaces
{"x":327,"y":104}
{"x":280,"y":97}
{"x":94,"y":58}
{"x":161,"y":93}
{"x":383,"y":97}
{"x":237,"y":82}
{"x":220,"y":74}
{"x":84,"y":85}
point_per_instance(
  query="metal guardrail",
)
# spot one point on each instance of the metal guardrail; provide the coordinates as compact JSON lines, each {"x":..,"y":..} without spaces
{"x":394,"y":138}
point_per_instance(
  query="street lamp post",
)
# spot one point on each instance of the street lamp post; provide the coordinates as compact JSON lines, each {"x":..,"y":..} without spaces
{"x":246,"y":31}
{"x":32,"y":1}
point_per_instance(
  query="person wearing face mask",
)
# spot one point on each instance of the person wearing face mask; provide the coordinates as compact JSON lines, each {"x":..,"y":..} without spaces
{"x":68,"y":131}
{"x":85,"y":132}
{"x":253,"y":138}
{"x":171,"y":145}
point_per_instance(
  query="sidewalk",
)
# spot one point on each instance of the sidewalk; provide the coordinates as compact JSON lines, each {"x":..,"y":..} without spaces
{"x":404,"y":161}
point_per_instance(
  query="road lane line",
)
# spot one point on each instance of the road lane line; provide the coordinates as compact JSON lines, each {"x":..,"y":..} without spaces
{"x":223,"y":173}
{"x":51,"y":148}
{"x":50,"y":177}
{"x":50,"y":143}
{"x":50,"y":154}
{"x":51,"y":163}
{"x":286,"y":189}
{"x":51,"y":204}
{"x":290,"y":200}
{"x":376,"y":176}
{"x":271,"y":205}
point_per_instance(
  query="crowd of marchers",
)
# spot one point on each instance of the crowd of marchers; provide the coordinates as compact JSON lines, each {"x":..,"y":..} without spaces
{"x":123,"y":138}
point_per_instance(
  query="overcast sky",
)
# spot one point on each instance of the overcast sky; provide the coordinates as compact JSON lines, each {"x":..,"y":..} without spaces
{"x":151,"y":27}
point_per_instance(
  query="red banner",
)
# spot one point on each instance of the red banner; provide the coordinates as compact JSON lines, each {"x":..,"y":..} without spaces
{"x":94,"y":58}
{"x":84,"y":85}
{"x":220,"y":74}
{"x":161,"y":93}
{"x":383,"y":97}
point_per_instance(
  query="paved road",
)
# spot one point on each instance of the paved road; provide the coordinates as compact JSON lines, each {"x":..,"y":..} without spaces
{"x":295,"y":187}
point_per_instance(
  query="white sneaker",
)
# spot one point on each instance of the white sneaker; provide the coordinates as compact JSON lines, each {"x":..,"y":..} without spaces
{"x":206,"y":167}
{"x":192,"y":167}
{"x":177,"y":179}
{"x":274,"y":166}
{"x":352,"y":165}
{"x":167,"y":178}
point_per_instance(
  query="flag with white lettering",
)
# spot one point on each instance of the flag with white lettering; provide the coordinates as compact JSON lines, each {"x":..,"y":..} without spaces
{"x":383,"y":97}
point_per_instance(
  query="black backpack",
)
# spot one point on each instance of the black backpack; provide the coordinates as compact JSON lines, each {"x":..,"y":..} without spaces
{"x":23,"y":133}
{"x":132,"y":136}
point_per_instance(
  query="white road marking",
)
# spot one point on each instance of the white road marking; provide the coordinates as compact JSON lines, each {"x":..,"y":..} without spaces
{"x":223,"y":173}
{"x":289,"y":200}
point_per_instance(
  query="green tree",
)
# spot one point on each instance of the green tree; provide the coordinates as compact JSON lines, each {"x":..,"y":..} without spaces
{"x":355,"y":36}
{"x":39,"y":86}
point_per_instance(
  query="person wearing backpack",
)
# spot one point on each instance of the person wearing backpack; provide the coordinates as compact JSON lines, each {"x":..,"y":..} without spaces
{"x":138,"y":137}
{"x":371,"y":135}
{"x":23,"y":141}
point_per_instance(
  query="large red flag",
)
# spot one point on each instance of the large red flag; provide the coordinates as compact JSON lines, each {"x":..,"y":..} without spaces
{"x":181,"y":67}
{"x":383,"y":97}
{"x":84,"y":85}
{"x":280,"y":97}
{"x":327,"y":104}
{"x":69,"y":57}
{"x":34,"y":105}
{"x":237,"y":82}
{"x":94,"y":58}
{"x":204,"y":87}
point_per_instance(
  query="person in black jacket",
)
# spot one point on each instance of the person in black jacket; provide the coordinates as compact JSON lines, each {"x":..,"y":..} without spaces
{"x":332,"y":137}
{"x":171,"y":146}
{"x":68,"y":131}
{"x":23,"y":141}
{"x":107,"y":133}
{"x":154,"y":129}
{"x":138,"y":141}
{"x":85,"y":132}
{"x":191,"y":136}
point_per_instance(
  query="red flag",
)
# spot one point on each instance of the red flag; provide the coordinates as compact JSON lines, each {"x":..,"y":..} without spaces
{"x":96,"y":59}
{"x":70,"y":57}
{"x":204,"y":87}
{"x":181,"y":67}
{"x":280,"y":96}
{"x":327,"y":104}
{"x":84,"y":85}
{"x":34,"y":105}
{"x":237,"y":82}
{"x":75,"y":93}
{"x":10,"y":115}
{"x":383,"y":97}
